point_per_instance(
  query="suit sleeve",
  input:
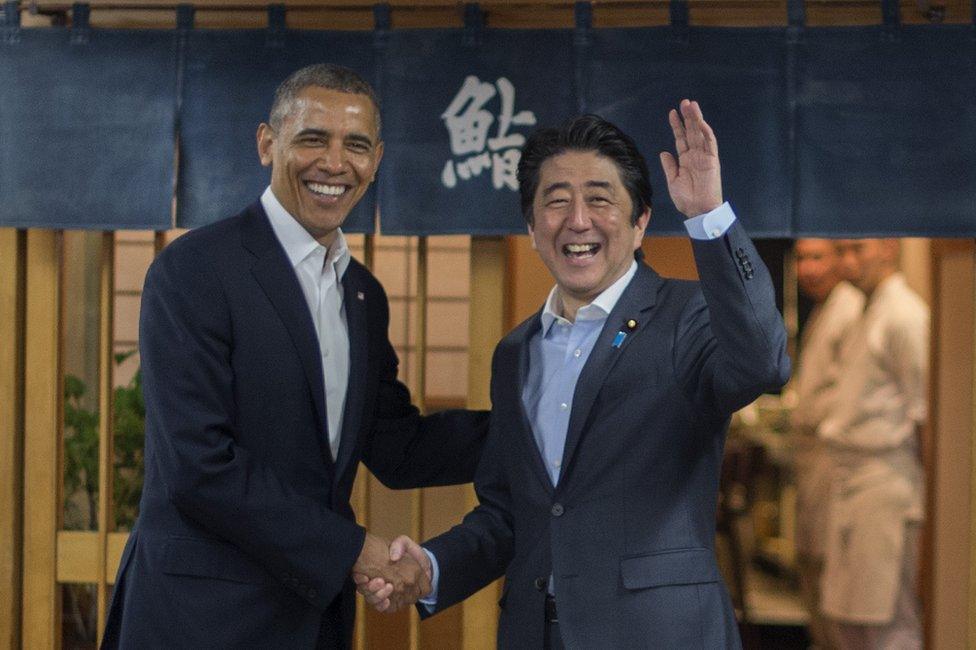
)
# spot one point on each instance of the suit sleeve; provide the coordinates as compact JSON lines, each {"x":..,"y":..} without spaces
{"x":186,"y":343}
{"x":479,"y":549}
{"x":730,"y":343}
{"x":407,"y":450}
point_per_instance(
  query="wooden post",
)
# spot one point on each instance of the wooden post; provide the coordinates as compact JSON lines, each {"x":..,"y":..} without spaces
{"x":12,"y":259}
{"x":106,"y":414}
{"x":43,"y":425}
{"x":486,"y":325}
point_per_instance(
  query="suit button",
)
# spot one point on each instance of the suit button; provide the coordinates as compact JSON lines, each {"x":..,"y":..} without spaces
{"x":311,"y":593}
{"x":740,"y":253}
{"x":557,"y":510}
{"x":540,"y":583}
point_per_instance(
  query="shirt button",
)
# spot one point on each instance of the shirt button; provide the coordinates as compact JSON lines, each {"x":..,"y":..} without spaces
{"x":557,"y":510}
{"x":563,"y":406}
{"x":557,"y":463}
{"x":540,"y":583}
{"x":577,"y":352}
{"x":715,"y":233}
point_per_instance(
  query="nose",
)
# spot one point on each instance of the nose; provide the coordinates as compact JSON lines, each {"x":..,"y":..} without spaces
{"x":579,"y":218}
{"x":332,"y":158}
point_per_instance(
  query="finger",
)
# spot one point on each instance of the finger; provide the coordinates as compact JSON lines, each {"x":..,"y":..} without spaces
{"x":377,"y":585}
{"x":678,"y":129}
{"x":693,"y":121}
{"x":383,"y":606}
{"x":377,"y":596}
{"x":670,"y":166}
{"x":360,"y":579}
{"x":398,"y":546}
{"x":710,"y":144}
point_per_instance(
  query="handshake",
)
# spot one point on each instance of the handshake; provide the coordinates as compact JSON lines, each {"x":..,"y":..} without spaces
{"x":392,"y":576}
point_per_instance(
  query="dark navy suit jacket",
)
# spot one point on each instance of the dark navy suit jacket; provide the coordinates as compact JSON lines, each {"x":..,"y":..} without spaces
{"x":628,"y":532}
{"x":245,"y":536}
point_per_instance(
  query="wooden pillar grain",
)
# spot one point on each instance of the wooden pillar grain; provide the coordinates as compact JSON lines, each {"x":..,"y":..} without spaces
{"x":949,"y":561}
{"x":106,"y":440}
{"x":12,"y":260}
{"x":486,"y":327}
{"x":43,"y":423}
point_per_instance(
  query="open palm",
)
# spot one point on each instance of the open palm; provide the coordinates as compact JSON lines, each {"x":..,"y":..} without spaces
{"x":695,"y":178}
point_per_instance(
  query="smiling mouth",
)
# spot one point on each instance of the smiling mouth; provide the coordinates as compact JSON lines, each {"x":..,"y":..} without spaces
{"x":580,"y":251}
{"x":323,"y":189}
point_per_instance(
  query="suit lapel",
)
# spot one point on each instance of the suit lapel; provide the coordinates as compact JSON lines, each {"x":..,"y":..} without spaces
{"x":354,"y":301}
{"x":521,"y":339}
{"x":635,"y":303}
{"x":274,"y":274}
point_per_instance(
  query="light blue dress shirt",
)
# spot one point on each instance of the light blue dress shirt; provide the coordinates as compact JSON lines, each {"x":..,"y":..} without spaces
{"x":557,"y":354}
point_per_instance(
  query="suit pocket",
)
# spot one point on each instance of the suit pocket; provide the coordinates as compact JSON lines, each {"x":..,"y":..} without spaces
{"x":204,"y":558}
{"x":687,"y":566}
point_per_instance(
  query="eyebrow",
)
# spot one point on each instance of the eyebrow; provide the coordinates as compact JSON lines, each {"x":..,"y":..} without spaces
{"x":603,"y":185}
{"x":354,"y":137}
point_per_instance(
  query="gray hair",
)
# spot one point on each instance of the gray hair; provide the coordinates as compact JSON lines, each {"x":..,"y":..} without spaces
{"x":321,"y":75}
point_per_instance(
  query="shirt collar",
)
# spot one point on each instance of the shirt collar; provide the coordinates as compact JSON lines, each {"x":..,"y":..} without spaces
{"x":599,"y":309}
{"x":297,"y":241}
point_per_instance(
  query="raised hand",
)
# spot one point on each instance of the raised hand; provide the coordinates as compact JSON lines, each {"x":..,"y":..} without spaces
{"x":389,"y":585}
{"x":694,"y":179}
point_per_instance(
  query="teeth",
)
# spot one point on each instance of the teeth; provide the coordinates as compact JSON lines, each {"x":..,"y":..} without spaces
{"x":580,"y":248}
{"x":328,"y":190}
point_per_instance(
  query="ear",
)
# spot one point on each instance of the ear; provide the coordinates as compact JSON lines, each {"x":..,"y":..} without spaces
{"x":265,"y":140}
{"x":376,"y":163}
{"x":532,"y":237}
{"x":641,"y":227}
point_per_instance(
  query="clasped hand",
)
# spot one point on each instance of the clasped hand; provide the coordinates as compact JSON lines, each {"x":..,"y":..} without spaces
{"x":392,"y":576}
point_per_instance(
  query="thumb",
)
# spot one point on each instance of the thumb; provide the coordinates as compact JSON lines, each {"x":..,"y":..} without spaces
{"x":399,"y":546}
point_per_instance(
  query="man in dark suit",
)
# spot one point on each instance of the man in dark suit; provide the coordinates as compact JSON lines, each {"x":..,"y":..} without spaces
{"x":598,"y":483}
{"x":268,"y":375}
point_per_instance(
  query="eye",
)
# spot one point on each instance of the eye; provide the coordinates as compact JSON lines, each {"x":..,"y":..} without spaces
{"x":358,"y":147}
{"x":556,"y":202}
{"x":599,"y":200}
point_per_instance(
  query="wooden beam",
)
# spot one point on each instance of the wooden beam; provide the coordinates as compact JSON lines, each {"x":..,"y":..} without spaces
{"x":420,"y":399}
{"x":948,"y":584}
{"x":486,"y":326}
{"x":12,"y":255}
{"x":43,"y":424}
{"x":106,"y":416}
{"x":77,"y":556}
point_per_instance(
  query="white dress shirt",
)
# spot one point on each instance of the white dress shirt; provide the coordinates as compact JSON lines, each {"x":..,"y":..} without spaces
{"x":319,"y":271}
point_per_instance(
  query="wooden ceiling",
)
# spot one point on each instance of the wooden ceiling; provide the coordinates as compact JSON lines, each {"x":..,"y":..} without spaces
{"x":357,"y":14}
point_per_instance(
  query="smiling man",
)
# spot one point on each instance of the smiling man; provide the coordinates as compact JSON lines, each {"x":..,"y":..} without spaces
{"x":597,"y":487}
{"x":268,"y":375}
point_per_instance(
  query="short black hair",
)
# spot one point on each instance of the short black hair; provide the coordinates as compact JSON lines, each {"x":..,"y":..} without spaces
{"x":585,"y":133}
{"x":321,"y":75}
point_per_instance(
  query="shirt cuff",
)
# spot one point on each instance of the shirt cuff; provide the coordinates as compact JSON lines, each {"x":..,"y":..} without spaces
{"x":711,"y":225}
{"x":430,"y":600}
